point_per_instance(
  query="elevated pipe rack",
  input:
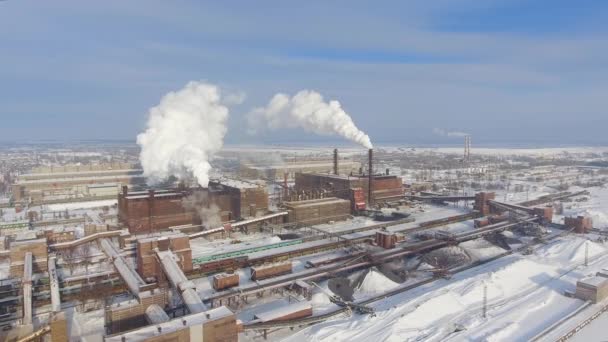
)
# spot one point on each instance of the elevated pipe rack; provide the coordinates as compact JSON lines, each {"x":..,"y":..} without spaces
{"x":128,"y":275}
{"x":178,"y":280}
{"x":54,"y":284}
{"x":27,"y":289}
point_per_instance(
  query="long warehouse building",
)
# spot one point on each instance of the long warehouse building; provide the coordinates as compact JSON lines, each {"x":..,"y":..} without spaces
{"x":227,"y":200}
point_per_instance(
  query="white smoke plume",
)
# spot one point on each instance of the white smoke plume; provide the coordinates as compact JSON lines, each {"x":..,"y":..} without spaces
{"x":183,"y":132}
{"x":307,"y":110}
{"x":207,"y":211}
{"x":444,"y":133}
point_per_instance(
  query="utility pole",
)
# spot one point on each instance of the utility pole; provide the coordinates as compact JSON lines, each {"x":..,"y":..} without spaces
{"x":586,"y":253}
{"x":485,"y":300}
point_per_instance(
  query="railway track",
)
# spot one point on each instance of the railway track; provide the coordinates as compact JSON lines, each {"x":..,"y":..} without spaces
{"x":370,"y":260}
{"x":344,"y":310}
{"x":299,"y":247}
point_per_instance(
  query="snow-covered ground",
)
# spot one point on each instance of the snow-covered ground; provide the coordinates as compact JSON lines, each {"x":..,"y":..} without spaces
{"x":520,"y":290}
{"x":85,"y":326}
{"x":595,"y":331}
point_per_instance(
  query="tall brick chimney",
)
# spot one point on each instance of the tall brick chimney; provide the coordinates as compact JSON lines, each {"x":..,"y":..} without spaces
{"x":335,"y":161}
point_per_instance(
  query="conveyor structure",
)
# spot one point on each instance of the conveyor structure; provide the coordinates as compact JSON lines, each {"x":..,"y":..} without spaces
{"x":178,"y":280}
{"x":89,"y":238}
{"x":238,"y":224}
{"x":129,"y":276}
{"x":156,"y":315}
{"x":54,"y":285}
{"x":27,"y":289}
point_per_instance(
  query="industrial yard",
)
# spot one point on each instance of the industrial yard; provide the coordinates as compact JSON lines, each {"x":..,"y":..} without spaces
{"x":324,"y":171}
{"x":409,"y":245}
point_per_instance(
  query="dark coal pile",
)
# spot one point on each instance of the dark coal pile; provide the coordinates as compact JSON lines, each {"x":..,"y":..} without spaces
{"x":447,"y":257}
{"x":342,"y":287}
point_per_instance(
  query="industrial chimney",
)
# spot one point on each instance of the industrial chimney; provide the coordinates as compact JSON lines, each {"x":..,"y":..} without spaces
{"x":370,"y":175}
{"x":467,"y":147}
{"x":335,"y":161}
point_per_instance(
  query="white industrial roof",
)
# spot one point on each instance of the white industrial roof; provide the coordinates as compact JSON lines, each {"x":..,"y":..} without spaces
{"x":282,"y":311}
{"x":236,"y":183}
{"x":594,"y":281}
{"x":177,"y":324}
{"x":71,"y":179}
{"x":303,"y":165}
{"x":83,"y":172}
{"x":103,"y":185}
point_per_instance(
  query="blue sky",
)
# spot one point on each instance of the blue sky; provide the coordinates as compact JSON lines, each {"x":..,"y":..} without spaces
{"x":507,"y":72}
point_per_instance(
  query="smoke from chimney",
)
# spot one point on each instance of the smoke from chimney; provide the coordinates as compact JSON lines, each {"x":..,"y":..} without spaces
{"x":208,"y":212}
{"x":442,"y":132}
{"x":183,"y":133}
{"x":307,"y":110}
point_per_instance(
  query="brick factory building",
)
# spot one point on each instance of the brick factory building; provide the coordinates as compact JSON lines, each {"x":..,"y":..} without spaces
{"x":147,"y":261}
{"x":75,"y":181}
{"x":217,"y":325}
{"x":580,"y":224}
{"x":292,"y":168}
{"x":385,"y":188}
{"x":316,"y":211}
{"x":594,"y":288}
{"x":154,"y":210}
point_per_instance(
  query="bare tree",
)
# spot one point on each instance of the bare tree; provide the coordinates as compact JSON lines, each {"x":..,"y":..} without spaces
{"x":85,"y":253}
{"x":68,"y":258}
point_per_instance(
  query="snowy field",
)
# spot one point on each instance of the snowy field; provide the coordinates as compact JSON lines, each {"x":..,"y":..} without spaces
{"x":390,"y":148}
{"x":521,"y":289}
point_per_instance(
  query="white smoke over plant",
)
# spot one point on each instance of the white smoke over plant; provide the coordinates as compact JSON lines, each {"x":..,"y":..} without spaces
{"x":307,"y":110}
{"x":444,"y":133}
{"x":207,"y":211}
{"x":183,"y":133}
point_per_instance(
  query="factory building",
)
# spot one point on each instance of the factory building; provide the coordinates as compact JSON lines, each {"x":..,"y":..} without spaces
{"x":225,"y":200}
{"x":218,"y":325}
{"x":76,"y":181}
{"x":385,"y":187}
{"x":580,"y":224}
{"x":291,"y":169}
{"x":594,"y":288}
{"x":147,"y":262}
{"x":316,"y":211}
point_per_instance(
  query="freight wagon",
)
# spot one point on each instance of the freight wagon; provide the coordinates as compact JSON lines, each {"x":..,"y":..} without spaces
{"x":225,"y":280}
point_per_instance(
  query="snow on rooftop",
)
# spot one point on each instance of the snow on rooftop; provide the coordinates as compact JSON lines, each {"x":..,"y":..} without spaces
{"x":81,"y":205}
{"x":177,"y":324}
{"x":83,"y":172}
{"x":236,"y":183}
{"x":80,"y":179}
{"x":594,"y":281}
{"x":286,"y":166}
{"x":282,"y":311}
